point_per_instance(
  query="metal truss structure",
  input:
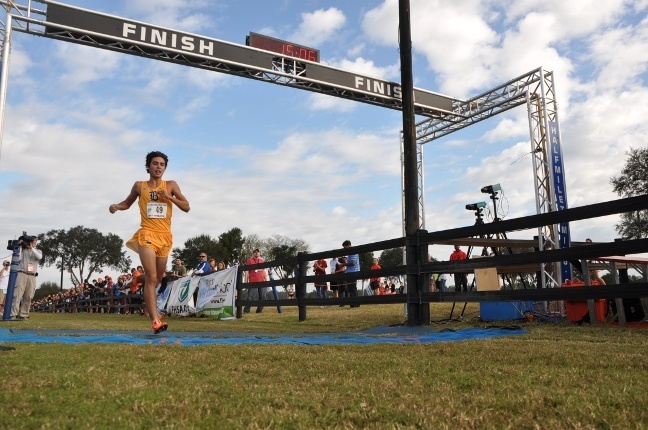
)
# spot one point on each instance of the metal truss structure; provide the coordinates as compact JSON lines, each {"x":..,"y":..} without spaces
{"x":71,"y":24}
{"x":420,"y":183}
{"x":536,"y":90}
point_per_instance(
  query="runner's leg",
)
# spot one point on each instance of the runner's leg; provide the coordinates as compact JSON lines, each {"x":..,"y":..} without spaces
{"x":151,"y":280}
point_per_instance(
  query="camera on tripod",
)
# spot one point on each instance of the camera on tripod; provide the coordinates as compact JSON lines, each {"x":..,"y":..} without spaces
{"x":23,"y":241}
{"x":476,"y":206}
{"x":491,"y":189}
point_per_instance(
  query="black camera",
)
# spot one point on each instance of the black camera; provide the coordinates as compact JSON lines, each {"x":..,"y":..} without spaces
{"x":22,"y":241}
{"x":491,"y":189}
{"x":476,"y":206}
{"x":26,"y":239}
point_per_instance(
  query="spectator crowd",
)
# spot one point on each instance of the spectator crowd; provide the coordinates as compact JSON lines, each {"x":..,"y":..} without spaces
{"x":108,"y":295}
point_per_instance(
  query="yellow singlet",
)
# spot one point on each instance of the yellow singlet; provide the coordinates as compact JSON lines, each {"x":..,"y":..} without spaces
{"x":156,"y":212}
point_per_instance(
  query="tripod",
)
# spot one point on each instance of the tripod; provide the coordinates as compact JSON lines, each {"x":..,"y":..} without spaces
{"x":497,"y":251}
{"x":479,"y":220}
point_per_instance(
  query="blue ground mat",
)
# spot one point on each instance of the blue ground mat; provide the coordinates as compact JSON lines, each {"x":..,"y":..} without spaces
{"x":380,"y":334}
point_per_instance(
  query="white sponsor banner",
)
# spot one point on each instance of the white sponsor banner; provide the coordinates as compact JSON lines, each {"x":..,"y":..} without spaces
{"x":216,"y":294}
{"x":181,"y":302}
{"x":163,"y":297}
{"x":367,"y":288}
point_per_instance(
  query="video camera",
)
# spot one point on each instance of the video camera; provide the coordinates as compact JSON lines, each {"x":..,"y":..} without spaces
{"x":491,"y":189}
{"x":23,"y":241}
{"x":476,"y":206}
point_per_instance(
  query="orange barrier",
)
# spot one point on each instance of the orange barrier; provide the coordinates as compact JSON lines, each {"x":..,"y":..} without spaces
{"x":577,"y":310}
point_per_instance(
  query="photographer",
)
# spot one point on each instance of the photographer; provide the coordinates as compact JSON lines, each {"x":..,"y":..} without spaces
{"x":26,"y":278}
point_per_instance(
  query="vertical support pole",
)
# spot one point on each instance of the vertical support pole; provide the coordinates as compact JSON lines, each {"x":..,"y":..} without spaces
{"x":542,"y":305}
{"x":643,"y":270}
{"x":239,"y":293}
{"x":621,"y":316}
{"x":424,"y":279}
{"x":591,"y":305}
{"x":13,"y":274}
{"x":62,"y":267}
{"x":4,"y":73}
{"x":410,"y":179}
{"x":301,"y":285}
{"x":623,"y":279}
{"x":539,"y":159}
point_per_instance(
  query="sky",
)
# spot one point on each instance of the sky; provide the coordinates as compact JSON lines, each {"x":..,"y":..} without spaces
{"x":269,"y":159}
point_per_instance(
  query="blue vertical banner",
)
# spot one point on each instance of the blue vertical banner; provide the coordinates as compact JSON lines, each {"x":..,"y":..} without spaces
{"x":560,"y":193}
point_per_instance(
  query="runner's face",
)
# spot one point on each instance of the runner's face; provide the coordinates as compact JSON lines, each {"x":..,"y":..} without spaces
{"x":157,"y":167}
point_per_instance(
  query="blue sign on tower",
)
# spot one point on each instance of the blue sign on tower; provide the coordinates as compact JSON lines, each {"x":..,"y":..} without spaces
{"x":560,"y":193}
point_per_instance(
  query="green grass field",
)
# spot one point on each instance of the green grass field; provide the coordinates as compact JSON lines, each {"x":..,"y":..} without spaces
{"x":557,"y":376}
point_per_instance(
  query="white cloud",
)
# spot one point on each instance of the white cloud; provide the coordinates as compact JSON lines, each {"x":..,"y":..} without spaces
{"x":509,"y":127}
{"x":321,"y":102}
{"x":19,"y":62}
{"x":83,"y":65}
{"x":368,"y":67}
{"x":621,"y":55}
{"x":318,"y":26}
{"x":186,"y":15}
{"x":338,"y":210}
{"x":453,"y":36}
{"x":205,"y":80}
{"x":573,"y":18}
{"x":188,"y":110}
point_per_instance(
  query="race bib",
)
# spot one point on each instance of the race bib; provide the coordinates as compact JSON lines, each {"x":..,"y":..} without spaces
{"x":156,"y":210}
{"x":30,"y":267}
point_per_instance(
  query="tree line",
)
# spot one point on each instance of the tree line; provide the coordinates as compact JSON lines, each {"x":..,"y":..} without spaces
{"x":83,"y":252}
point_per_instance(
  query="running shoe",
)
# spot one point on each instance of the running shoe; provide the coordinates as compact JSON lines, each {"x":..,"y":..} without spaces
{"x":159,"y":326}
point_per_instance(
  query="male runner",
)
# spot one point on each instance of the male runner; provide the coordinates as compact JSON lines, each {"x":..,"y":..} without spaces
{"x":153,"y":240}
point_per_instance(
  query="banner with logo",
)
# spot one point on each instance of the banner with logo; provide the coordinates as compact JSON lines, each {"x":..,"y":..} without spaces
{"x":163,"y":298}
{"x":181,"y":302}
{"x":216,"y":294}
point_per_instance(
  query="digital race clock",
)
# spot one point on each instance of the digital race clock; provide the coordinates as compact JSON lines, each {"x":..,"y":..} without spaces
{"x":282,"y":47}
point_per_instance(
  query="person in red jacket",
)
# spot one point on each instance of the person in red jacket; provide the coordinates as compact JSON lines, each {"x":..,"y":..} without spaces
{"x":374,"y":283}
{"x":319,"y":267}
{"x":256,"y":275}
{"x":461,"y":279}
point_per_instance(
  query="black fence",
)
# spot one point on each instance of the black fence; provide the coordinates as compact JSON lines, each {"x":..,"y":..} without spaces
{"x":418,"y":296}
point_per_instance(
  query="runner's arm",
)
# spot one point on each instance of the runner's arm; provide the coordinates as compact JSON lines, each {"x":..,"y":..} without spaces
{"x":128,"y":201}
{"x":175,"y":196}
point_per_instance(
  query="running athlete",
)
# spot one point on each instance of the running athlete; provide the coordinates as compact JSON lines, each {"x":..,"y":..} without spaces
{"x":153,"y":240}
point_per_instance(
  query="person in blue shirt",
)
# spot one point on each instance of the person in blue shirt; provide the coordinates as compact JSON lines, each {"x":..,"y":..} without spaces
{"x":352,"y":265}
{"x":203,"y":265}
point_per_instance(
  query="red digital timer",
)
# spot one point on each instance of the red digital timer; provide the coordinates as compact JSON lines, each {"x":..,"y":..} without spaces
{"x":282,"y":47}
